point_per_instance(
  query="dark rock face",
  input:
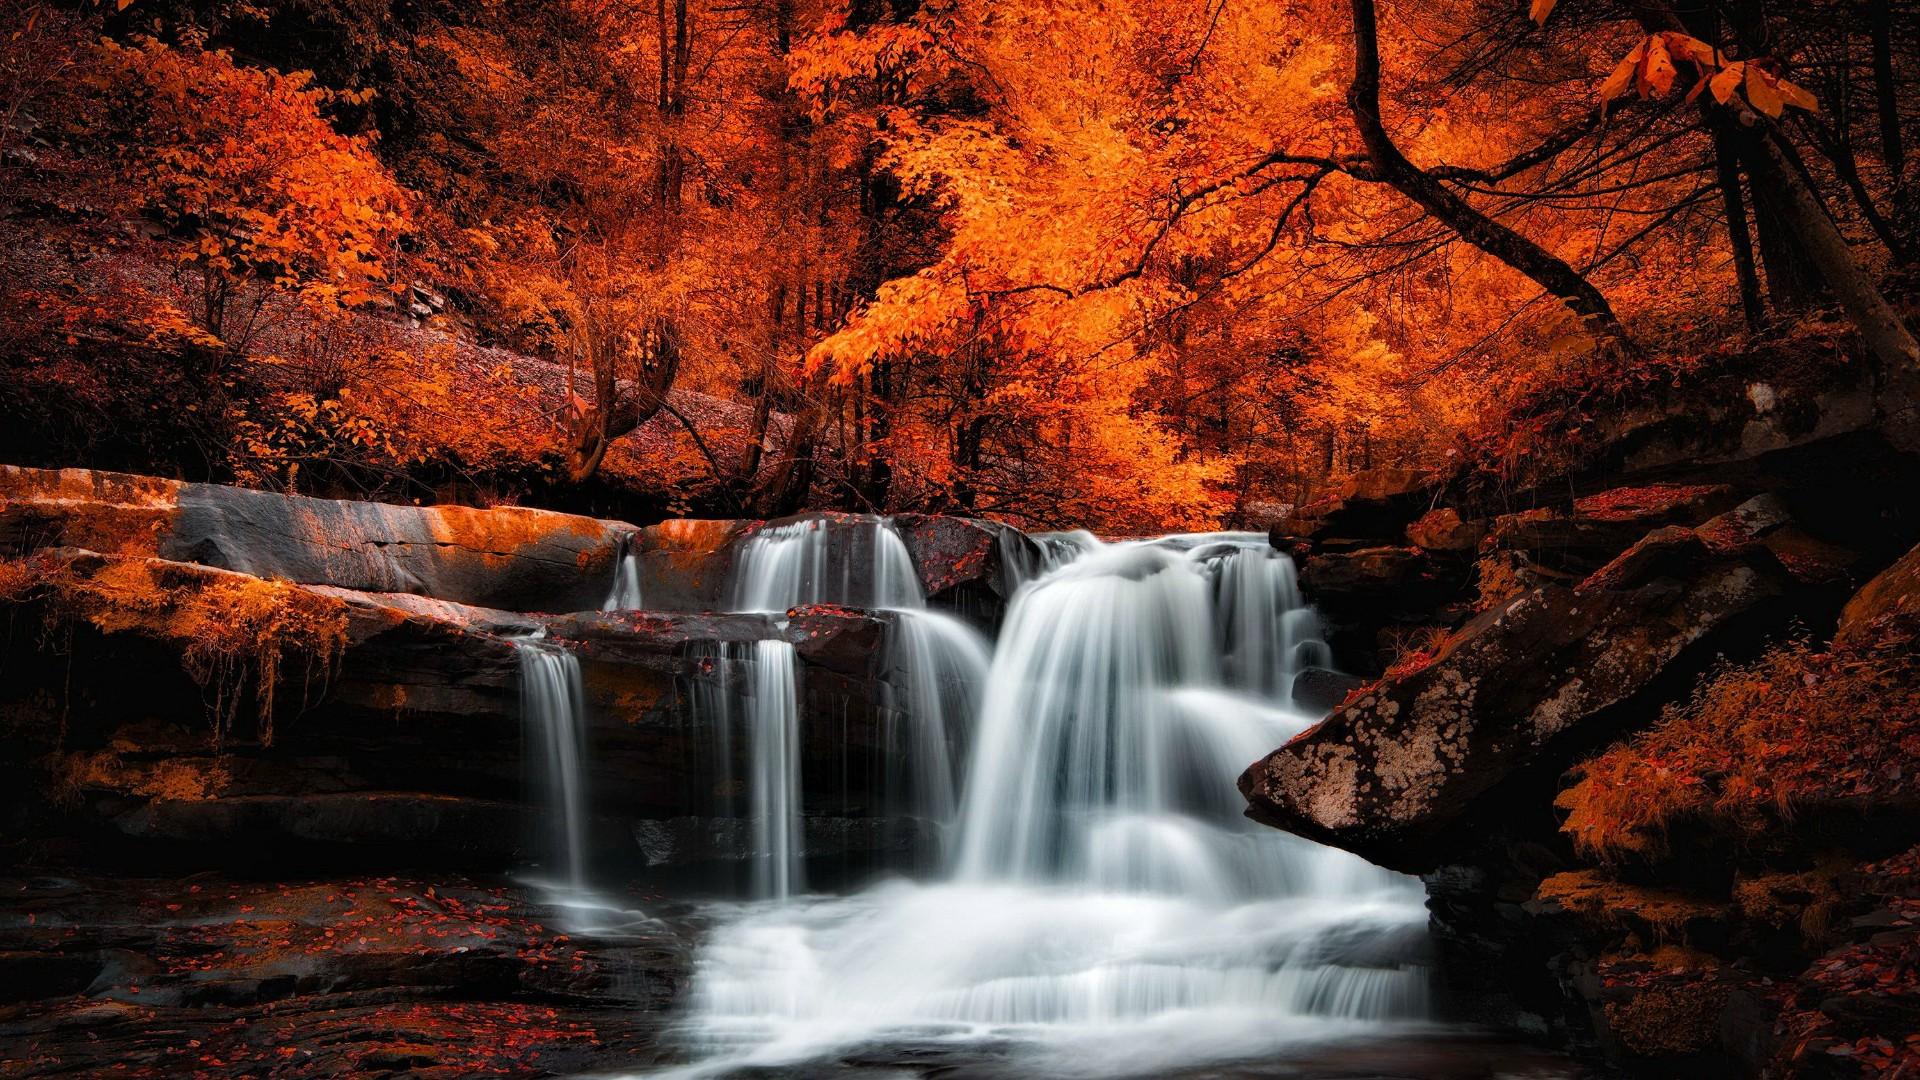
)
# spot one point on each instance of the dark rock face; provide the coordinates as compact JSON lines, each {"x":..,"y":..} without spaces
{"x":1367,"y":594}
{"x":1375,"y":506}
{"x":1598,"y":527}
{"x":398,"y":737}
{"x":1522,"y":687}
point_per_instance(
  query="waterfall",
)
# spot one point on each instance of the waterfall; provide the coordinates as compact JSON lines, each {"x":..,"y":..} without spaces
{"x":937,"y":668}
{"x":1107,"y":909}
{"x":932,"y":668}
{"x":625,"y":594}
{"x":752,"y":703}
{"x":553,"y":712}
{"x":845,"y":559}
{"x":773,"y":723}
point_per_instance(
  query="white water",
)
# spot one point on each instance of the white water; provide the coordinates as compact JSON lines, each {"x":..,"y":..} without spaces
{"x":937,"y":671}
{"x":773,"y":726}
{"x":850,"y":560}
{"x":625,"y":594}
{"x":1108,"y":910}
{"x":552,"y":709}
{"x":931,"y":673}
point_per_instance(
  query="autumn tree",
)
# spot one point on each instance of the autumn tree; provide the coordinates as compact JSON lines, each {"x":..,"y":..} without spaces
{"x":268,"y":200}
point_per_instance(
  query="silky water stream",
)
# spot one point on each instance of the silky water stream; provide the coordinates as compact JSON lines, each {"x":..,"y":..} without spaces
{"x":1099,"y":905}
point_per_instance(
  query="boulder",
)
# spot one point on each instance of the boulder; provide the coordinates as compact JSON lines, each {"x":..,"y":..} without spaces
{"x":1442,"y":530}
{"x":968,"y":566}
{"x":686,"y":564}
{"x":1319,"y":690}
{"x":1890,"y":601}
{"x":1399,"y":775}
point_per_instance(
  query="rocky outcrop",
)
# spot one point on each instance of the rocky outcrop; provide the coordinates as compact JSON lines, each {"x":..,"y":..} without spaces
{"x":1372,"y":508}
{"x":1663,"y":558}
{"x":508,"y":557}
{"x":1522,"y":687}
{"x":388,"y":729}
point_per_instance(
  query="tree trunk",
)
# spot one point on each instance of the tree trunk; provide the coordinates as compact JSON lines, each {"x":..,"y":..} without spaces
{"x":1791,"y":218}
{"x":1819,"y":243}
{"x":1739,"y":237}
{"x":1547,"y":270}
{"x":1885,"y":90}
{"x":1793,"y":285}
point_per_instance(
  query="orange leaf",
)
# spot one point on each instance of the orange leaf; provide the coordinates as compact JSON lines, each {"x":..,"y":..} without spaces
{"x":1764,"y":93}
{"x":1622,"y":77}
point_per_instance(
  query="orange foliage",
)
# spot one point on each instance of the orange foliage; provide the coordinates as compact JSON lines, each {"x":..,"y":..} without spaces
{"x":266,"y":196}
{"x":1756,"y":741}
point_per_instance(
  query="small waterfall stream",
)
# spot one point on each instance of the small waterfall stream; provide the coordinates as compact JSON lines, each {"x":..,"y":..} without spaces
{"x":552,"y":708}
{"x":625,"y":594}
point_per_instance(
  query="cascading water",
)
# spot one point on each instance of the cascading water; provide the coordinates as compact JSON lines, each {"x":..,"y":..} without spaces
{"x":937,"y":670}
{"x":752,"y":702}
{"x":935,"y":663}
{"x":552,"y":708}
{"x":625,"y":594}
{"x":1108,"y":910}
{"x":850,"y":560}
{"x":773,"y":714}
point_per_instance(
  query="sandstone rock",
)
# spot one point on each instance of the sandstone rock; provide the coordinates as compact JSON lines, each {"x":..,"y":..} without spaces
{"x":1521,"y":687}
{"x":508,"y":557}
{"x":1442,"y":530}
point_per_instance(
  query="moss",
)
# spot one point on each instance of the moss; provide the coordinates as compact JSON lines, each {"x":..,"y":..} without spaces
{"x":238,"y":636}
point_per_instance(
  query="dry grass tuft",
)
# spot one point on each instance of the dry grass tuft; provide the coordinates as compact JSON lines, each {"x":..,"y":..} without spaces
{"x":238,"y":636}
{"x":1797,"y":725}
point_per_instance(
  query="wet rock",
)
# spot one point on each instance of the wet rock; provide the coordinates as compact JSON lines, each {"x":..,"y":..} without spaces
{"x":1318,"y":690}
{"x":335,"y":977}
{"x":439,"y":830}
{"x":398,"y":737}
{"x":686,"y":564}
{"x":966,"y":565}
